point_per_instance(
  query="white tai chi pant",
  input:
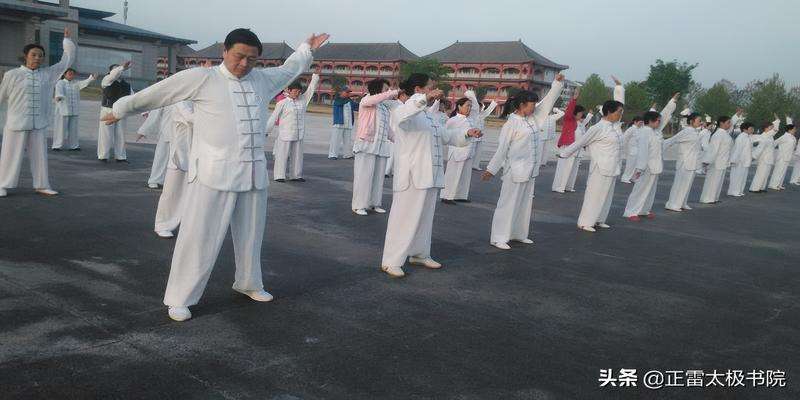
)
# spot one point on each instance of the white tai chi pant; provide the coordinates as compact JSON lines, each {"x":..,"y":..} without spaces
{"x":408,"y":232}
{"x":110,"y":136}
{"x":597,"y":199}
{"x":457,"y":179}
{"x":573,"y":176}
{"x":712,"y":187}
{"x":341,"y":142}
{"x":288,"y":157}
{"x":630,"y":167}
{"x":17,"y":143}
{"x":778,"y":175}
{"x":172,"y":201}
{"x":368,"y":177}
{"x":761,"y":177}
{"x":640,"y":201}
{"x":512,"y":217}
{"x":160,"y":161}
{"x":681,"y":187}
{"x":204,"y":223}
{"x":65,"y":130}
{"x":476,"y":159}
{"x":795,"y":178}
{"x":563,"y":174}
{"x":737,"y":180}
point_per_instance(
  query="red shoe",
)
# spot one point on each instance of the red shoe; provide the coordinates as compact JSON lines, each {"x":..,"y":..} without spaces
{"x":650,"y":215}
{"x":634,"y":218}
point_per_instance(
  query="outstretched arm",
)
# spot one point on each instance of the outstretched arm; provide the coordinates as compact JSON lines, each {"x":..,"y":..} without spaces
{"x":276,"y":113}
{"x":278,"y":78}
{"x":67,"y":58}
{"x":312,"y":87}
{"x":546,"y":105}
{"x":666,"y":113}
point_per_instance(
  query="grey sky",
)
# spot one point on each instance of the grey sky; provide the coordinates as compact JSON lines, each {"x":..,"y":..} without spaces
{"x":739,"y":40}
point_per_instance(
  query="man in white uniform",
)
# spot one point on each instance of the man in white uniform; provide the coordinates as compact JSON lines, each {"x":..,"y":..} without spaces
{"x":27,"y":94}
{"x":783,"y":156}
{"x":227,"y":166}
{"x":741,"y":159}
{"x":716,"y":160}
{"x":158,"y":125}
{"x":687,"y":162}
{"x":68,"y":103}
{"x":291,"y":111}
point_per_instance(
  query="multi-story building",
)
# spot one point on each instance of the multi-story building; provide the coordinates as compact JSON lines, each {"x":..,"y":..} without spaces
{"x":497,"y":66}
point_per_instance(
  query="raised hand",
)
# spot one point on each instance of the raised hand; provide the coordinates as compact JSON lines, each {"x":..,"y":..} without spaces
{"x":559,"y":77}
{"x":616,"y":81}
{"x":126,"y":65}
{"x":315,"y":41}
{"x":576,"y":93}
{"x":435,"y":94}
{"x":676,"y":95}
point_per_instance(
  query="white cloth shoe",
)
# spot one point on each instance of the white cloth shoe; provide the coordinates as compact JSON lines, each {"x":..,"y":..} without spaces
{"x":152,"y":185}
{"x":165,"y":234}
{"x":360,"y":211}
{"x":425,"y":262}
{"x":604,"y":226}
{"x":257,"y":295}
{"x":502,"y":246}
{"x":46,"y":192}
{"x":526,"y":241}
{"x":3,"y":192}
{"x":587,"y":228}
{"x":394,"y":272}
{"x":379,"y":210}
{"x":179,"y":314}
{"x":687,"y":208}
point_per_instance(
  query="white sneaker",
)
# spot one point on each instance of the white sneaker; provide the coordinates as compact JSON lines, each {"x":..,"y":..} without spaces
{"x":379,"y":210}
{"x":502,"y":246}
{"x":425,"y":262}
{"x":394,"y":272}
{"x":587,"y":228}
{"x":687,"y":208}
{"x":526,"y":241}
{"x":604,"y":226}
{"x":179,"y":314}
{"x":46,"y":192}
{"x":3,"y":192}
{"x":360,"y":211}
{"x":152,"y":185}
{"x":165,"y":234}
{"x":257,"y":295}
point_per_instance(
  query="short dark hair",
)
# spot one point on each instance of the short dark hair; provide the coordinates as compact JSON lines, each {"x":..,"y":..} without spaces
{"x":637,"y":119}
{"x":578,"y":109}
{"x":406,"y":89}
{"x":611,"y":106}
{"x":788,"y":127}
{"x":691,"y":117}
{"x":766,"y":125}
{"x":515,"y":101}
{"x":31,"y":46}
{"x":722,"y":119}
{"x":416,"y":80}
{"x":243,"y":36}
{"x":745,"y":126}
{"x":375,"y":86}
{"x":460,"y":102}
{"x":650,"y":116}
{"x":295,"y":85}
{"x":65,"y":72}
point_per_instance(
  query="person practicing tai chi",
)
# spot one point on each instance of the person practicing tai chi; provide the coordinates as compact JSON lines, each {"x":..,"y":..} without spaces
{"x":574,"y":116}
{"x":716,"y":159}
{"x":629,"y":147}
{"x":519,"y":150}
{"x":478,"y":114}
{"x":113,"y":136}
{"x":418,"y":176}
{"x":604,"y":141}
{"x":27,"y":94}
{"x":171,"y":203}
{"x":157,"y":126}
{"x":741,"y":159}
{"x":785,"y":146}
{"x":458,"y":174}
{"x":764,"y":154}
{"x":344,"y":108}
{"x":68,"y":104}
{"x":291,"y":111}
{"x":649,"y":162}
{"x":227,"y":170}
{"x":687,"y":162}
{"x":550,"y":135}
{"x":372,"y":146}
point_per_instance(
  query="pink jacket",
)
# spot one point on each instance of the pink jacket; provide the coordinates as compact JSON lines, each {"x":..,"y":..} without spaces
{"x":366,"y":113}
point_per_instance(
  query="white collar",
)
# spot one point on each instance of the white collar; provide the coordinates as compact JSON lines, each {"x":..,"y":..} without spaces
{"x":224,"y":71}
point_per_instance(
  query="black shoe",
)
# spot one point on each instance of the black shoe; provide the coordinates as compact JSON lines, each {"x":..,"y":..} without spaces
{"x":333,"y":158}
{"x":78,"y":149}
{"x":463,"y":200}
{"x":451,"y":202}
{"x":124,"y":160}
{"x":102,"y":160}
{"x":56,"y":149}
{"x":298,"y":180}
{"x":280,"y":180}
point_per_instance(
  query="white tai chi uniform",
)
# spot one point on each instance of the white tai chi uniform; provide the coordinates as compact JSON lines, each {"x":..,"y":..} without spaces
{"x":629,"y":147}
{"x":172,"y":201}
{"x":795,"y":178}
{"x":687,"y":162}
{"x":28,"y":97}
{"x":578,"y":157}
{"x":111,"y":136}
{"x":291,"y":132}
{"x":68,"y":103}
{"x":717,"y":156}
{"x":764,"y":154}
{"x":341,"y":143}
{"x":477,"y":115}
{"x":520,"y":148}
{"x":567,"y":168}
{"x":741,"y":159}
{"x":705,"y":139}
{"x":369,"y":167}
{"x":227,"y":168}
{"x":158,"y":125}
{"x":458,"y":174}
{"x":419,"y":174}
{"x":604,"y":142}
{"x":783,"y":156}
{"x":549,"y":129}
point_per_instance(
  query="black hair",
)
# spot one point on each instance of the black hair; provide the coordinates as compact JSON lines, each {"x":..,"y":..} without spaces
{"x":460,"y":102}
{"x":64,"y":75}
{"x":446,"y":103}
{"x":637,"y":119}
{"x":722,"y":119}
{"x":243,"y":36}
{"x":691,"y":117}
{"x":375,"y":86}
{"x":788,"y":127}
{"x":295,"y":85}
{"x":611,"y":106}
{"x":766,"y":125}
{"x":416,"y":80}
{"x":745,"y":126}
{"x":579,"y":109}
{"x":31,"y":46}
{"x":651,"y":116}
{"x":406,"y":89}
{"x":515,"y":101}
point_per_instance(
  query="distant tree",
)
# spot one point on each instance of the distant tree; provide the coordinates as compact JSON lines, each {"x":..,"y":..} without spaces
{"x":716,"y":101}
{"x":594,"y":92}
{"x":637,"y":100}
{"x":666,"y":78}
{"x":433,"y":68}
{"x":768,"y":97}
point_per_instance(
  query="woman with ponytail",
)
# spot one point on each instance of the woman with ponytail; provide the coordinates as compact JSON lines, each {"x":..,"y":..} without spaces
{"x":519,"y":152}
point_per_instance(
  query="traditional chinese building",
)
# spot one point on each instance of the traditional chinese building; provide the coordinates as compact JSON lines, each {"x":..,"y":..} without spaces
{"x":498,"y":66}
